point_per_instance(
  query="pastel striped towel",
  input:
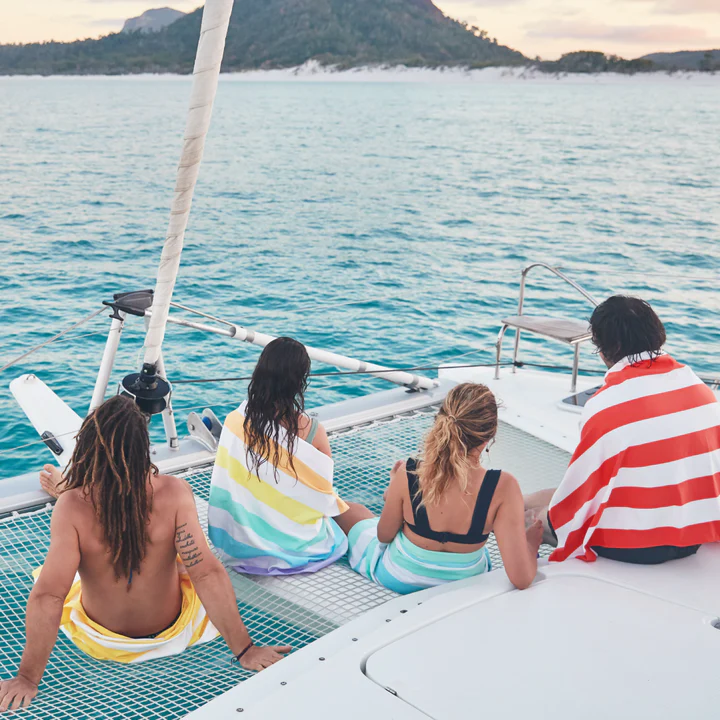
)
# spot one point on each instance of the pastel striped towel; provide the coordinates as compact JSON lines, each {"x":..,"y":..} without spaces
{"x":646,"y":471}
{"x":193,"y":627}
{"x":403,"y":567}
{"x":268,"y":525}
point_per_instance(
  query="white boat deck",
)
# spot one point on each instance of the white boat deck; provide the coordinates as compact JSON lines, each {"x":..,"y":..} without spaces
{"x":363,"y":652}
{"x":592,"y":641}
{"x":585,"y":641}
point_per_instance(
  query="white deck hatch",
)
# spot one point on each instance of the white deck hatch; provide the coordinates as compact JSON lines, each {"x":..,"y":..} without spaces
{"x":570,"y":647}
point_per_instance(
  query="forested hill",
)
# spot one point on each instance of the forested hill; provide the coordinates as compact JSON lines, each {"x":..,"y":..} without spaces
{"x":278,"y":33}
{"x":703,"y":60}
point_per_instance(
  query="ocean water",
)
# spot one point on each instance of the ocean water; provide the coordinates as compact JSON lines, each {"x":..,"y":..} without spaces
{"x":388,"y":220}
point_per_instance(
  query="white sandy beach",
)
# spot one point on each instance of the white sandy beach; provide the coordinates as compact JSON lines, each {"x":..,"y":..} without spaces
{"x":313,"y":71}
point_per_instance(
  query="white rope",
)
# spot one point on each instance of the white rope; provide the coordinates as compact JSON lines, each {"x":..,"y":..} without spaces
{"x":216,"y":16}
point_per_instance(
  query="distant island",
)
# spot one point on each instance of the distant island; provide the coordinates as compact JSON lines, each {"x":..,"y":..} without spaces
{"x":266,"y":34}
{"x":152,"y":20}
{"x":702,"y":60}
{"x":339,"y":34}
{"x":586,"y":61}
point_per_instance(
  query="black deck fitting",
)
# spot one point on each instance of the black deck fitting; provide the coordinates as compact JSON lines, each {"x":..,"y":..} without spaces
{"x":148,"y":389}
{"x":132,"y":303}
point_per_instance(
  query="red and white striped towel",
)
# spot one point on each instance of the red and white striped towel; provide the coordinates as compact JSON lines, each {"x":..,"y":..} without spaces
{"x":647,"y":469}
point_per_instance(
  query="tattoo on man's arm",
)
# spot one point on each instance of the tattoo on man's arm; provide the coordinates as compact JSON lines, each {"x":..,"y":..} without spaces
{"x":185,"y":542}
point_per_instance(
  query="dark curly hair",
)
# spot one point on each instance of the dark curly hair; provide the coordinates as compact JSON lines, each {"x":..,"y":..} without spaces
{"x":624,"y":326}
{"x":111,"y":466}
{"x":276,"y":402}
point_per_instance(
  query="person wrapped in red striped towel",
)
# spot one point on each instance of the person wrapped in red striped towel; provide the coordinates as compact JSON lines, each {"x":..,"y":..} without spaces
{"x":643,"y":485}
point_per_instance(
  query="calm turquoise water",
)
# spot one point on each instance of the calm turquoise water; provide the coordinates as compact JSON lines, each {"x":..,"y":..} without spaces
{"x":387,"y":221}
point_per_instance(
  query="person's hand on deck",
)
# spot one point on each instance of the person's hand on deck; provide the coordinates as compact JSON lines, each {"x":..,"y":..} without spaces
{"x":259,"y":658}
{"x":16,"y":693}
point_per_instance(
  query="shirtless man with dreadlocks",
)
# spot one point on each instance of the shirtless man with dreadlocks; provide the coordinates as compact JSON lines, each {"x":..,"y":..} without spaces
{"x":121,"y":525}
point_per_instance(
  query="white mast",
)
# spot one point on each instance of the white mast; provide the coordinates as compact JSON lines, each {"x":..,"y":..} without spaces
{"x":215,"y":19}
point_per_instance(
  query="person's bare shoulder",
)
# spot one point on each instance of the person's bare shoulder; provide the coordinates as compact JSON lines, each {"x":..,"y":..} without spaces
{"x":170,"y":491}
{"x":73,"y":502}
{"x":507,"y":488}
{"x":73,"y":507}
{"x":169,"y":486}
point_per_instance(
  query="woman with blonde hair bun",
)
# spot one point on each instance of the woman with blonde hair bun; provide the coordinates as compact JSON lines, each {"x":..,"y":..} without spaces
{"x":440,"y":510}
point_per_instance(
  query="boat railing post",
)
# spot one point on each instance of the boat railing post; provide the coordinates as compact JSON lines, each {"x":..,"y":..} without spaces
{"x":498,"y":350}
{"x":575,"y":368}
{"x":108,"y":360}
{"x":168,"y":415}
{"x":521,"y":302}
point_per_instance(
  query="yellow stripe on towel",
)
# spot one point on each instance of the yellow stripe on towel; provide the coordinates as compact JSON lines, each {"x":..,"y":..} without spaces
{"x":191,"y":628}
{"x":305,"y":474}
{"x":272,"y":497}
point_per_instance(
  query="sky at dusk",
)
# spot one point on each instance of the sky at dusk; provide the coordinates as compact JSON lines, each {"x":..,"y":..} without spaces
{"x":535,"y":27}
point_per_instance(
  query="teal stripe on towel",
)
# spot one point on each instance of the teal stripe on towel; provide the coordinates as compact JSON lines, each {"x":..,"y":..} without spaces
{"x":223,"y":500}
{"x":240,"y":551}
{"x":381,"y":563}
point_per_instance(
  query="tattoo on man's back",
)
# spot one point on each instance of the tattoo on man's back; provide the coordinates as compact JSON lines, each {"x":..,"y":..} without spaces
{"x":185,"y":542}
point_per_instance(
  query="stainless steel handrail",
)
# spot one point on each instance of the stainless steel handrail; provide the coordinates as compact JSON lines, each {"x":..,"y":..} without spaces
{"x":562,"y":276}
{"x":521,"y":303}
{"x":559,"y":274}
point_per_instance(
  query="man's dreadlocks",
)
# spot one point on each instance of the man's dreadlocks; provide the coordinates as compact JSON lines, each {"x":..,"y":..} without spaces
{"x":111,"y":465}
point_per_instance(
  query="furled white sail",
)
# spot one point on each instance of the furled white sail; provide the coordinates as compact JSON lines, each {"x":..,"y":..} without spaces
{"x":215,"y":20}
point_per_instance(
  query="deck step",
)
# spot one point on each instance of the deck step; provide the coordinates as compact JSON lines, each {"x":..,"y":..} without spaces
{"x":565,"y":330}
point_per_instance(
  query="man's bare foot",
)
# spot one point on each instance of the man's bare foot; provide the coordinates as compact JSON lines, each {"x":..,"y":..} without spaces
{"x":535,"y":515}
{"x":50,"y":479}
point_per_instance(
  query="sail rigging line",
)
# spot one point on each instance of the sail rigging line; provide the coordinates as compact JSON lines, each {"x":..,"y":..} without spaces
{"x":80,"y":336}
{"x":36,"y":442}
{"x":52,"y":339}
{"x":452,"y":366}
{"x":201,"y":314}
{"x":206,"y":72}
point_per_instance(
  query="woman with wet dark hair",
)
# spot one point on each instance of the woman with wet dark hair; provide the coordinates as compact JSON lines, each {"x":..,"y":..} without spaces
{"x":271,"y":498}
{"x":275,"y":407}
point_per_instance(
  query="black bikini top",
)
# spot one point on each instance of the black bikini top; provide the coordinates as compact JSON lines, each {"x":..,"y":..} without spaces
{"x":474,"y":536}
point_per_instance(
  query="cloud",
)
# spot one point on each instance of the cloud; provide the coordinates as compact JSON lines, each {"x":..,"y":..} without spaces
{"x":105,"y":22}
{"x":149,"y":3}
{"x":682,"y":7}
{"x":485,"y":3}
{"x":632,"y":34}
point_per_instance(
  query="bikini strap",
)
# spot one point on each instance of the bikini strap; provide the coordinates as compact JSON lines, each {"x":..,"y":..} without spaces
{"x":421,"y":526}
{"x":314,"y":423}
{"x":483,"y":502}
{"x":421,"y":522}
